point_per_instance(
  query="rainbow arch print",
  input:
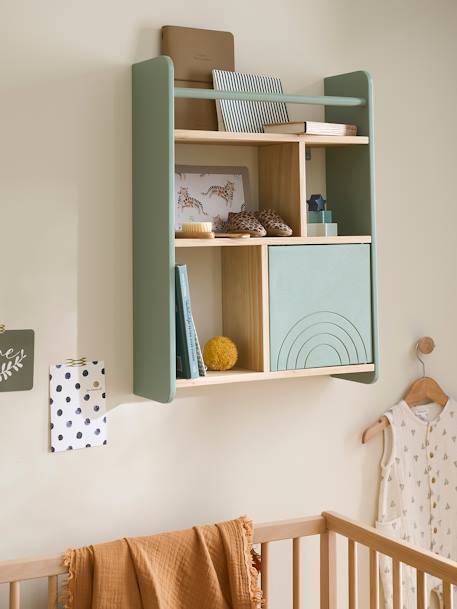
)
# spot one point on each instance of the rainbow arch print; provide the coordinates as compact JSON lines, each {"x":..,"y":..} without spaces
{"x":321,"y":338}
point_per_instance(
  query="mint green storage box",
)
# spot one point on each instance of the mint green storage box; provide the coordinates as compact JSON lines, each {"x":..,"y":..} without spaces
{"x":320,"y":306}
{"x":320,"y":217}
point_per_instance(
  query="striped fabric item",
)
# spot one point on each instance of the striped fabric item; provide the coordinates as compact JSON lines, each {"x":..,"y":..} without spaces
{"x":247,"y":116}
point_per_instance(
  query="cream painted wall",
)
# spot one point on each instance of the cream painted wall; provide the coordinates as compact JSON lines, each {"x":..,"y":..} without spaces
{"x":272,"y":450}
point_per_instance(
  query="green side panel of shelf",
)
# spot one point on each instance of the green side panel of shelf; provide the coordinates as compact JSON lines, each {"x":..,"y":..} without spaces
{"x":154,"y":363}
{"x":320,"y":306}
{"x":350,"y":179}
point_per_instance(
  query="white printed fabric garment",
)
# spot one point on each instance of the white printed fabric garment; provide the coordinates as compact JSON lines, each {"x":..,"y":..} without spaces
{"x":418,"y":489}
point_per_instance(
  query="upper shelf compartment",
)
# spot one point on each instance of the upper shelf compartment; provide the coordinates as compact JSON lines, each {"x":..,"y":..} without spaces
{"x":184,"y":136}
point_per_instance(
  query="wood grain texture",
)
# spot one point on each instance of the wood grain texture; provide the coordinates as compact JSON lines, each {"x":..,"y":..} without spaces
{"x":31,"y":568}
{"x":425,"y":389}
{"x":352,"y":574}
{"x":424,"y":560}
{"x":245,"y":304}
{"x":421,"y":586}
{"x":15,"y":595}
{"x":52,"y":592}
{"x":340,"y":239}
{"x":396,"y":584}
{"x":296,"y":564}
{"x":282,"y":183}
{"x":372,"y":431}
{"x":374,"y":579}
{"x":264,"y":553}
{"x":184,"y":136}
{"x":448,"y":597}
{"x":289,"y":529}
{"x":241,"y":375}
{"x":328,"y":570}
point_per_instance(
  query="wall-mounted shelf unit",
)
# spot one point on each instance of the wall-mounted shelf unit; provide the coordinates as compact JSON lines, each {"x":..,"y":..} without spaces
{"x":295,"y":306}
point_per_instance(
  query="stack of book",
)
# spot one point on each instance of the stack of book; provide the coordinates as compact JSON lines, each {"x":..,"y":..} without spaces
{"x":311,"y":128}
{"x":189,"y":360}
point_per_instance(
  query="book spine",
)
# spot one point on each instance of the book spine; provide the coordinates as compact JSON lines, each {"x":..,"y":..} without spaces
{"x":201,"y":363}
{"x":185,"y":344}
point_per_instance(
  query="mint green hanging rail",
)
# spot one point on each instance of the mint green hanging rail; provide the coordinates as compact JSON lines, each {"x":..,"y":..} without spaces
{"x":319,"y":100}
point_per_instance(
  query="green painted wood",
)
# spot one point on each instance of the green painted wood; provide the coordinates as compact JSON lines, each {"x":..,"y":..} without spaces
{"x":320,"y":100}
{"x":350,"y":178}
{"x":320,"y":306}
{"x":154,"y":362}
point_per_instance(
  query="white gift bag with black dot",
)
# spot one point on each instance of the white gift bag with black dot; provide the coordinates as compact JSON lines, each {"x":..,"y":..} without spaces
{"x":77,"y":405}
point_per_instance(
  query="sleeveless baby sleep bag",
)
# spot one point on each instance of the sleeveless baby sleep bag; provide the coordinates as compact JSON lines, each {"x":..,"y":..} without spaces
{"x":418,"y":489}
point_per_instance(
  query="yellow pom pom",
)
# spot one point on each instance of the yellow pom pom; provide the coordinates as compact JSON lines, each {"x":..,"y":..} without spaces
{"x":220,"y":353}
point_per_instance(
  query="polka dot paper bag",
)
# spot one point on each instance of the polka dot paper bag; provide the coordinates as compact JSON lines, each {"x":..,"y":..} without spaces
{"x":77,"y":404}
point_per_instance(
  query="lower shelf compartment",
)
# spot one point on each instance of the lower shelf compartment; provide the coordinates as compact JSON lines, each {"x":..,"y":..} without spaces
{"x":238,"y":375}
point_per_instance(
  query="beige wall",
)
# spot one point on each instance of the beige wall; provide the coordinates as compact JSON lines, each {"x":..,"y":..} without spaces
{"x":273,"y":450}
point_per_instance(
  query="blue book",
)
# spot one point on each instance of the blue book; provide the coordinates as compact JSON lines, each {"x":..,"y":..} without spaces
{"x":186,"y":348}
{"x":201,"y":363}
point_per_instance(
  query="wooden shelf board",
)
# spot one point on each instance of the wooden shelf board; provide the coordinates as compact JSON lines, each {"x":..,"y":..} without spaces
{"x":239,"y":376}
{"x":223,"y":242}
{"x":188,"y":136}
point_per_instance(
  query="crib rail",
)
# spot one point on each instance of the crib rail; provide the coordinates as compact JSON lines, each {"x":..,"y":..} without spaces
{"x":425,"y":563}
{"x":327,"y":526}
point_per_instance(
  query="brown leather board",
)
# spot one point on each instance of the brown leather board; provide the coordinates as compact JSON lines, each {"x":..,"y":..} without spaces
{"x":195,"y":53}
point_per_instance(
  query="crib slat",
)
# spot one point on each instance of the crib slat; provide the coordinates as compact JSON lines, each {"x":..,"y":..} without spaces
{"x":352,"y":574}
{"x":15,"y":595}
{"x":52,"y":592}
{"x":296,"y":573}
{"x":264,"y":573}
{"x":447,"y":595}
{"x":374,"y":579}
{"x":421,"y":589}
{"x":396,"y":584}
{"x":328,"y":570}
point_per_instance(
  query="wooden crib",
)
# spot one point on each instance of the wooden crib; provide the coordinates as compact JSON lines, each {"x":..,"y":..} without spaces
{"x":327,"y":526}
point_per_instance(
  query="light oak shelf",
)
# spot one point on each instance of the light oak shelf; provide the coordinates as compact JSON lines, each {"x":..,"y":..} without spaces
{"x":224,"y":242}
{"x":185,"y":136}
{"x":240,"y":375}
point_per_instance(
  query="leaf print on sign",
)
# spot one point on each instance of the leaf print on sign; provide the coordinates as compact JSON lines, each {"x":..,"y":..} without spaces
{"x":7,"y":369}
{"x":16,"y":360}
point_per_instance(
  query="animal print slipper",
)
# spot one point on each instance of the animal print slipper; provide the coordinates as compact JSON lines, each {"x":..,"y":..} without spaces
{"x":274,"y":224}
{"x":245,"y":222}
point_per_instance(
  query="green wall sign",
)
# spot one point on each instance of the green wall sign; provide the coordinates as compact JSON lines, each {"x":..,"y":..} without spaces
{"x":16,"y":360}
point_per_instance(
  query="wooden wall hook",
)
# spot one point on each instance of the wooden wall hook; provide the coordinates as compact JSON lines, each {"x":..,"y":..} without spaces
{"x":425,"y":345}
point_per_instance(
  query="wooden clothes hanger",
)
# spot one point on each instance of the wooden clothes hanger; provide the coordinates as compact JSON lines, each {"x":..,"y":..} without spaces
{"x":423,"y":390}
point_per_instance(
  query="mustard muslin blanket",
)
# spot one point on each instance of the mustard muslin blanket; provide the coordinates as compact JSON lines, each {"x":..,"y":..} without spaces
{"x":206,"y":567}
